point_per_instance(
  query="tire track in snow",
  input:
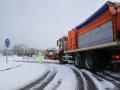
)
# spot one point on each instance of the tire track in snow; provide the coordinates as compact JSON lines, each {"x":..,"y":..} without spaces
{"x":57,"y":85}
{"x":87,"y":81}
{"x":112,"y":75}
{"x":108,"y":86}
{"x":90,"y":82}
{"x":35,"y":82}
{"x":80,"y":80}
{"x":112,"y":80}
{"x":98,"y":83}
{"x":41,"y":85}
{"x":11,"y":68}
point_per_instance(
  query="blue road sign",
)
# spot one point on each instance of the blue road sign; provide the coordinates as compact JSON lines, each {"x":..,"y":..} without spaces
{"x":7,"y":43}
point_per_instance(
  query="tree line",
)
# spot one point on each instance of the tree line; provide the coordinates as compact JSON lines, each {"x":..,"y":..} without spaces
{"x":20,"y":50}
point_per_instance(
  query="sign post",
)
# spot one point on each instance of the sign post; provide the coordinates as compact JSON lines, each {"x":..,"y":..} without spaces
{"x":7,"y":45}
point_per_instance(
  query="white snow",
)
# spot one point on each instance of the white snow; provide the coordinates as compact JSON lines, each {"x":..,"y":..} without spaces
{"x":18,"y":73}
{"x":101,"y":86}
{"x":9,"y":64}
{"x":83,"y":78}
{"x":66,"y":76}
{"x":20,"y":76}
{"x":27,"y":73}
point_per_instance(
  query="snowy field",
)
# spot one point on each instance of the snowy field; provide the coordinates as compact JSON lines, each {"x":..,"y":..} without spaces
{"x":16,"y":75}
{"x":27,"y":74}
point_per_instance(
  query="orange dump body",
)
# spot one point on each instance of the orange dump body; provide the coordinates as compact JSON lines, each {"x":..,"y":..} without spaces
{"x":102,"y":19}
{"x":72,"y":39}
{"x":109,"y":17}
{"x":113,"y":13}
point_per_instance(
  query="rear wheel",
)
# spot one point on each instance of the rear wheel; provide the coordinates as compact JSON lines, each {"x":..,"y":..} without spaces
{"x":78,"y":61}
{"x":88,"y":62}
{"x":91,"y":62}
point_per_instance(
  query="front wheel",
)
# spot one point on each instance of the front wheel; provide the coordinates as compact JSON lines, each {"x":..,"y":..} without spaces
{"x":61,"y":60}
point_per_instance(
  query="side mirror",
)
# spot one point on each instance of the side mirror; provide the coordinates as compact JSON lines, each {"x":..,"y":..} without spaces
{"x":58,"y":42}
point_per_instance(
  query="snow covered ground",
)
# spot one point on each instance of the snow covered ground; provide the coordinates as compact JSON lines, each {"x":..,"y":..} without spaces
{"x":22,"y":74}
{"x":27,"y":73}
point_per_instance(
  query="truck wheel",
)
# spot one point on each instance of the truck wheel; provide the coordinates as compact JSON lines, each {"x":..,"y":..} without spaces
{"x":78,"y":61}
{"x":91,"y":62}
{"x":61,"y":60}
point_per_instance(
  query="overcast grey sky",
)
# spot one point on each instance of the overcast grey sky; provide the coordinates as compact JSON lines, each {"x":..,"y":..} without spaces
{"x":39,"y":23}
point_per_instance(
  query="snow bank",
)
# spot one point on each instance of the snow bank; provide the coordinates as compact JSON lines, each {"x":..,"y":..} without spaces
{"x":21,"y":76}
{"x":16,"y":75}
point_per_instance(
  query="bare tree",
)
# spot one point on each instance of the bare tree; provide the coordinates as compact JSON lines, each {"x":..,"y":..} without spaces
{"x":19,"y":49}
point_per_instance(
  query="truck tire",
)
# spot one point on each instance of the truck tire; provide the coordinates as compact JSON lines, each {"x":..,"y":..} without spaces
{"x":78,"y":61}
{"x":61,"y":58}
{"x":91,"y":62}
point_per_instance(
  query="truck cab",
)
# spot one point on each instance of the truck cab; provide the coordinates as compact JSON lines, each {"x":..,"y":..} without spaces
{"x":62,"y":42}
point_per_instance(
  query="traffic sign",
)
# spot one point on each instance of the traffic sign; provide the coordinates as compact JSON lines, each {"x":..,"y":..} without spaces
{"x":7,"y":43}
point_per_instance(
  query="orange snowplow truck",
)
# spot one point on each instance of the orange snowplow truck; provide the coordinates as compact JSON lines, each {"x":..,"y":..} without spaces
{"x":51,"y":54}
{"x":95,"y":43}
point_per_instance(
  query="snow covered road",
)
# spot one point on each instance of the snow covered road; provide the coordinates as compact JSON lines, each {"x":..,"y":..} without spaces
{"x":28,"y":74}
{"x":49,"y":75}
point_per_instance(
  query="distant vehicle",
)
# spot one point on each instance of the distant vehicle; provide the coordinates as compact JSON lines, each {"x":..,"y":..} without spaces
{"x":94,"y":44}
{"x":51,"y":54}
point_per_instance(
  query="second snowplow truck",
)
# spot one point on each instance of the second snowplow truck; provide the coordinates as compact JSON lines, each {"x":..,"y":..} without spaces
{"x":95,"y":43}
